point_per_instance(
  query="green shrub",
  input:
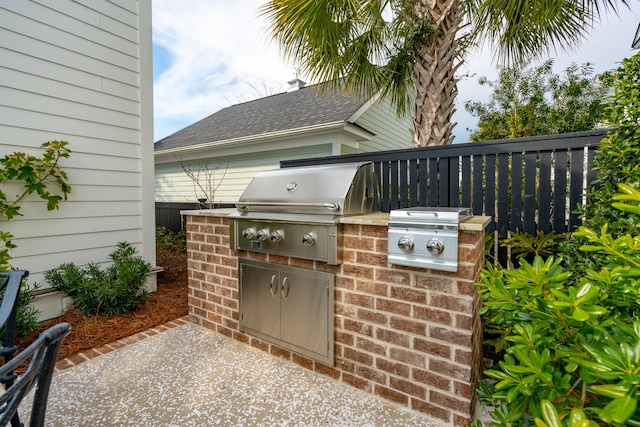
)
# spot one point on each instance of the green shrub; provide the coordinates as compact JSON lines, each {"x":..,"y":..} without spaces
{"x":570,"y":352}
{"x":171,"y":240}
{"x":171,"y":251}
{"x":569,"y":326}
{"x":40,"y":175}
{"x":117,"y":289}
{"x":616,"y":161}
{"x":528,"y":246}
{"x":26,"y":314}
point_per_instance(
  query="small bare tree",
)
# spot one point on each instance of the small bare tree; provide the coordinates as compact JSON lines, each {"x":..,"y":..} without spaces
{"x":204,"y":178}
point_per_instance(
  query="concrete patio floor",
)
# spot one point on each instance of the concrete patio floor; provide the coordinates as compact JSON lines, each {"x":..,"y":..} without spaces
{"x":185,"y":375}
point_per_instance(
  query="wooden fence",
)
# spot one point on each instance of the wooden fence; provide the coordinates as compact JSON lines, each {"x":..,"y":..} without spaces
{"x":525,"y":184}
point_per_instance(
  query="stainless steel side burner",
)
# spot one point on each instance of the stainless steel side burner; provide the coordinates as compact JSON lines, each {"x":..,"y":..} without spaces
{"x":425,"y":237}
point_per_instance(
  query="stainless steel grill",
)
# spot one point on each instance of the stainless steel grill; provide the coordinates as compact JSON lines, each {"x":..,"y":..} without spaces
{"x":295,"y":212}
{"x":425,"y":237}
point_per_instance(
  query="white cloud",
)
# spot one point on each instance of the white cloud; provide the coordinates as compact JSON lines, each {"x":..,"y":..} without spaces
{"x":216,"y":49}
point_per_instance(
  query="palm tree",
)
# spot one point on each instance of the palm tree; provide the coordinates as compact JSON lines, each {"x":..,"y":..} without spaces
{"x":410,"y":49}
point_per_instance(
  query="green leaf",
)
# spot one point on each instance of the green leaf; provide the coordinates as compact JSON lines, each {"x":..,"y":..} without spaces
{"x":613,"y":391}
{"x":539,"y":422}
{"x":549,"y":414}
{"x":576,"y":415}
{"x":619,"y":410}
{"x":580,"y":315}
{"x":587,"y":292}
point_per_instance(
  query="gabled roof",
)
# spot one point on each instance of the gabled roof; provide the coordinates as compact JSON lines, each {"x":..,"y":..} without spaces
{"x":301,"y":108}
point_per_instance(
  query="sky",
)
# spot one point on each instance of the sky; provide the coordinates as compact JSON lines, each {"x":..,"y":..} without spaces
{"x":210,"y":54}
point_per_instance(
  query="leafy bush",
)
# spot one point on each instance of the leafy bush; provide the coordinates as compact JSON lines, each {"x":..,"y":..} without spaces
{"x":571,"y":352}
{"x":537,"y":101}
{"x":171,"y":251}
{"x":116,"y":289}
{"x":616,"y":162}
{"x":171,"y":240}
{"x":39,"y":175}
{"x":26,"y":314}
{"x":525,"y":245}
{"x":570,"y":331}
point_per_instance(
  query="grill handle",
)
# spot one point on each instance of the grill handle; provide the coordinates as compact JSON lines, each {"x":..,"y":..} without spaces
{"x":334,"y":207}
{"x":417,"y":213}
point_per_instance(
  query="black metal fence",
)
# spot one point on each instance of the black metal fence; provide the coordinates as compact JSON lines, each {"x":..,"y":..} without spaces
{"x":168,"y":214}
{"x":525,"y":184}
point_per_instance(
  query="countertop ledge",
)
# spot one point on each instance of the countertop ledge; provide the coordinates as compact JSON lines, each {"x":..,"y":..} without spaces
{"x":475,"y":223}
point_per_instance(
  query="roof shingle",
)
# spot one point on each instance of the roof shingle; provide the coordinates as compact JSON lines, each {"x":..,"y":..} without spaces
{"x":301,"y":108}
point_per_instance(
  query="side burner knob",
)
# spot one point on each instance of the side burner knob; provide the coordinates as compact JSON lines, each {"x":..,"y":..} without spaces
{"x":405,"y":243}
{"x":435,"y":246}
{"x":309,"y":239}
{"x":262,"y":234}
{"x":249,"y":233}
{"x":275,"y":236}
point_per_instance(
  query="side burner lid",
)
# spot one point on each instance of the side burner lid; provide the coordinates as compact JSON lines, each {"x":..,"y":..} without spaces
{"x":429,"y":216}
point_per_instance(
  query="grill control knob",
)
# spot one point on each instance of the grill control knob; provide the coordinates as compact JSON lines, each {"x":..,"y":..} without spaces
{"x":249,"y":233}
{"x":262,"y":234}
{"x":309,"y":239}
{"x":405,"y":243}
{"x":435,"y":246}
{"x":275,"y":236}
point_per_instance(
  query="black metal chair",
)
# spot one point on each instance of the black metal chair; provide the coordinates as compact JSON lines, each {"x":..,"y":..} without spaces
{"x":9,"y":282}
{"x":42,"y":354}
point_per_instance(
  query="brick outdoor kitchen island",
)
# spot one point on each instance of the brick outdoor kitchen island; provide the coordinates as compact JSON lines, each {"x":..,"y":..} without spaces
{"x":409,"y":335}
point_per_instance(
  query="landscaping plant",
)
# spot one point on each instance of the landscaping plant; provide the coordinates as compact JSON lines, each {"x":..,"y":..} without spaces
{"x":568,"y":326}
{"x":536,"y":101}
{"x":525,"y":245}
{"x":171,"y":251}
{"x":617,"y":161}
{"x":113,"y":290}
{"x":40,"y":175}
{"x":30,"y":174}
{"x":571,"y":353}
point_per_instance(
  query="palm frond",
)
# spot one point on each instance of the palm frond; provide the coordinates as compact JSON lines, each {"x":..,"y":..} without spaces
{"x":522,"y":30}
{"x":349,"y":41}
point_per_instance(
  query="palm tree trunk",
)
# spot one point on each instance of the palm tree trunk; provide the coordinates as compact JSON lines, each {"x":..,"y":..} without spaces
{"x":436,"y":84}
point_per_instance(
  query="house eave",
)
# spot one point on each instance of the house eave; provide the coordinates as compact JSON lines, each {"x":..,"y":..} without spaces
{"x":341,"y":127}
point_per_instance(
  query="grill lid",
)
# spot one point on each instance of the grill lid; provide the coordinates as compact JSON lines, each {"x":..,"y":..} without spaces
{"x":328,"y":190}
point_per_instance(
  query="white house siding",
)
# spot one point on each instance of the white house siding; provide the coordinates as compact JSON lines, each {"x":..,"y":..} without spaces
{"x":244,"y":160}
{"x":391,"y":132}
{"x":80,"y":71}
{"x":235,"y":173}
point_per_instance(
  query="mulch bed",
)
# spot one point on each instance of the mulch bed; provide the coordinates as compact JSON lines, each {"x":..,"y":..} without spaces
{"x":169,"y":302}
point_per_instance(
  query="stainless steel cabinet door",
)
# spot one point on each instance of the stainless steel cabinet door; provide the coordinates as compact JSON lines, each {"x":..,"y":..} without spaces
{"x":304,"y":316}
{"x":288,"y":306}
{"x":260,"y":299}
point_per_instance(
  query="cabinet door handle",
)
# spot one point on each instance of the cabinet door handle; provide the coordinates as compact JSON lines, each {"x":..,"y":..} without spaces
{"x":273,"y":288}
{"x":285,"y":288}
